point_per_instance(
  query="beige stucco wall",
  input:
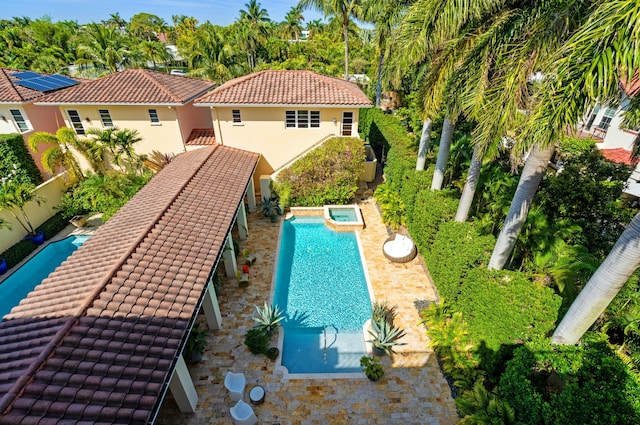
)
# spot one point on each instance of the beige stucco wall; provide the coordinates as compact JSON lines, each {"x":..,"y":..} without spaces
{"x":263,"y":130}
{"x":52,"y":191}
{"x":191,"y":117}
{"x":164,"y":136}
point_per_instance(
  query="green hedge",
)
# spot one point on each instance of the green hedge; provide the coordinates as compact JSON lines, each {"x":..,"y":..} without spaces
{"x":559,"y":384}
{"x":13,"y":151}
{"x":429,"y":211}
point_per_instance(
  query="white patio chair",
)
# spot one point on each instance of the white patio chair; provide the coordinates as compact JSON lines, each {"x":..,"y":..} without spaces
{"x":242,"y":414}
{"x":235,"y":383}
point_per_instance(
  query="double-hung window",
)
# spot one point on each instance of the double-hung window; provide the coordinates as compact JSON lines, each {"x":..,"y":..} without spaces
{"x":76,"y":121}
{"x":105,"y":117}
{"x":302,"y":119}
{"x":19,"y":119}
{"x":153,"y":116}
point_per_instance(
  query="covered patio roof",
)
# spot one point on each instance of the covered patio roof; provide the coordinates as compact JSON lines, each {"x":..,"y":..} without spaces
{"x":99,"y":339}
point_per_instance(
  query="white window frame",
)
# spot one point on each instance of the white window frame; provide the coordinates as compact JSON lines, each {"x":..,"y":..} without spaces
{"x":605,"y":121}
{"x":76,"y":124}
{"x":302,"y":118}
{"x":154,"y":121}
{"x":20,"y":120}
{"x":236,"y":117}
{"x":105,"y":117}
{"x":347,"y":127}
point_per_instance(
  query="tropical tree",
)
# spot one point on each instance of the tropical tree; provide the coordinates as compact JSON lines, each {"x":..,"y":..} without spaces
{"x":340,"y":9}
{"x":119,"y":143}
{"x":604,"y":51}
{"x":154,"y":51}
{"x":103,"y":47}
{"x":208,"y":53}
{"x":292,"y":25}
{"x":59,"y":151}
{"x":13,"y":197}
{"x":146,"y":26}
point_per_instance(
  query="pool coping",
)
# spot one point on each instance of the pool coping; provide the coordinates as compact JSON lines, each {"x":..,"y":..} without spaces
{"x":278,"y":367}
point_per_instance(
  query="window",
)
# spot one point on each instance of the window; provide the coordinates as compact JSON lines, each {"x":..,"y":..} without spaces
{"x":237,"y":118}
{"x":609,"y":113}
{"x":21,"y":123}
{"x":105,"y":117}
{"x":347,"y":123}
{"x":153,"y":115}
{"x":76,"y":122}
{"x":302,"y":119}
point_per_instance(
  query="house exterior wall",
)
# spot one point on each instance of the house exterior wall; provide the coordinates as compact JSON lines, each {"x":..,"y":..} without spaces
{"x":163,"y":136}
{"x":52,"y":190}
{"x":191,"y":117}
{"x":263,"y":130}
{"x":615,"y":136}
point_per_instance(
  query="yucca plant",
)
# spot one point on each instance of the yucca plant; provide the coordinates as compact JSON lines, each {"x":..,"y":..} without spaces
{"x":385,"y":336}
{"x":269,"y":318}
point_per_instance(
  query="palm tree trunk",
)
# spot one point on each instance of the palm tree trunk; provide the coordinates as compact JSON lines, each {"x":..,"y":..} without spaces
{"x":613,"y":273}
{"x":443,"y":154}
{"x":469,"y":191}
{"x":345,"y":34}
{"x":425,"y":138}
{"x":379,"y":83}
{"x":530,"y":178}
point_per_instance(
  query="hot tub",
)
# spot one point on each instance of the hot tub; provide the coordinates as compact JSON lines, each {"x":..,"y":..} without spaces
{"x":343,"y":218}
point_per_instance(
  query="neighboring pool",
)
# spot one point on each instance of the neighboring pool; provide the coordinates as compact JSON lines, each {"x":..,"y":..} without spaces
{"x":321,"y":287}
{"x":16,"y":287}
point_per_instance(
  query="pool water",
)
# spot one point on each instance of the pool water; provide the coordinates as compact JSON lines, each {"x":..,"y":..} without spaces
{"x":345,"y":215}
{"x":322,"y":289}
{"x":18,"y":285}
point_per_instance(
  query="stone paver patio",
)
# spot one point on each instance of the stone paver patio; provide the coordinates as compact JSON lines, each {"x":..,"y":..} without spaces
{"x":413,"y":390}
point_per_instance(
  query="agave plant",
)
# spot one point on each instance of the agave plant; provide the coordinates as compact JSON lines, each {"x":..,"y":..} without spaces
{"x":385,"y":336}
{"x":269,"y":318}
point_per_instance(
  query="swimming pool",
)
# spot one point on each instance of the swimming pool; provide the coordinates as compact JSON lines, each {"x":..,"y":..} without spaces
{"x":17,"y":285}
{"x":322,"y":288}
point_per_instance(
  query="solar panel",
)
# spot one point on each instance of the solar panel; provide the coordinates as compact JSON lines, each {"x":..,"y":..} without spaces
{"x":47,"y":82}
{"x":26,"y":75}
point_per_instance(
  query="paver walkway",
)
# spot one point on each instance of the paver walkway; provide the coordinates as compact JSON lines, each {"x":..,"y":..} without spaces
{"x":413,"y":390}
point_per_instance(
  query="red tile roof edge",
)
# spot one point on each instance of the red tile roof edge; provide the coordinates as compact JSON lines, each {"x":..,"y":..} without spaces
{"x":14,"y":392}
{"x":619,"y":155}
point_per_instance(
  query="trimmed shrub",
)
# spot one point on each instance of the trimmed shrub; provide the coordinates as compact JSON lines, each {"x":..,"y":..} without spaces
{"x":429,"y":211}
{"x":328,"y":174}
{"x":15,"y":156}
{"x":566,"y":384}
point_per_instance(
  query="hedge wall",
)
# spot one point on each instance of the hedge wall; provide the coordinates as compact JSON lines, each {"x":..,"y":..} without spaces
{"x":13,"y":151}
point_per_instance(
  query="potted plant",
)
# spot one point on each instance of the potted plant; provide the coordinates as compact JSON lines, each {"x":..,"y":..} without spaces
{"x":269,"y":318}
{"x":272,"y":353}
{"x":13,"y":197}
{"x":257,"y":341}
{"x":372,"y":367}
{"x":3,"y":263}
{"x":196,"y":344}
{"x":385,"y":337}
{"x":269,"y":209}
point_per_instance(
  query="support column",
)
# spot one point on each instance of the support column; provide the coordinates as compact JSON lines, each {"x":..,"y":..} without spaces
{"x":251,"y":196}
{"x":182,"y":388}
{"x":211,"y":308}
{"x":229,"y":258}
{"x":241,"y":221}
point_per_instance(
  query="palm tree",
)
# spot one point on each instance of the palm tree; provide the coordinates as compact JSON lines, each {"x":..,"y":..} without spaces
{"x":103,"y":47}
{"x":608,"y":50}
{"x":59,"y":153}
{"x":120,"y":145}
{"x":208,"y":53}
{"x":340,"y":9}
{"x":386,"y":15}
{"x":154,"y":51}
{"x":292,"y":25}
{"x":14,"y":196}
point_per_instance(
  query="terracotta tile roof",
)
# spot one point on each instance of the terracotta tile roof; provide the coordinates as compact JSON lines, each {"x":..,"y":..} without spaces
{"x":10,"y":92}
{"x":201,"y":137}
{"x":619,"y":155}
{"x":631,"y":88}
{"x":275,"y":87}
{"x":133,"y":86}
{"x":97,"y":341}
